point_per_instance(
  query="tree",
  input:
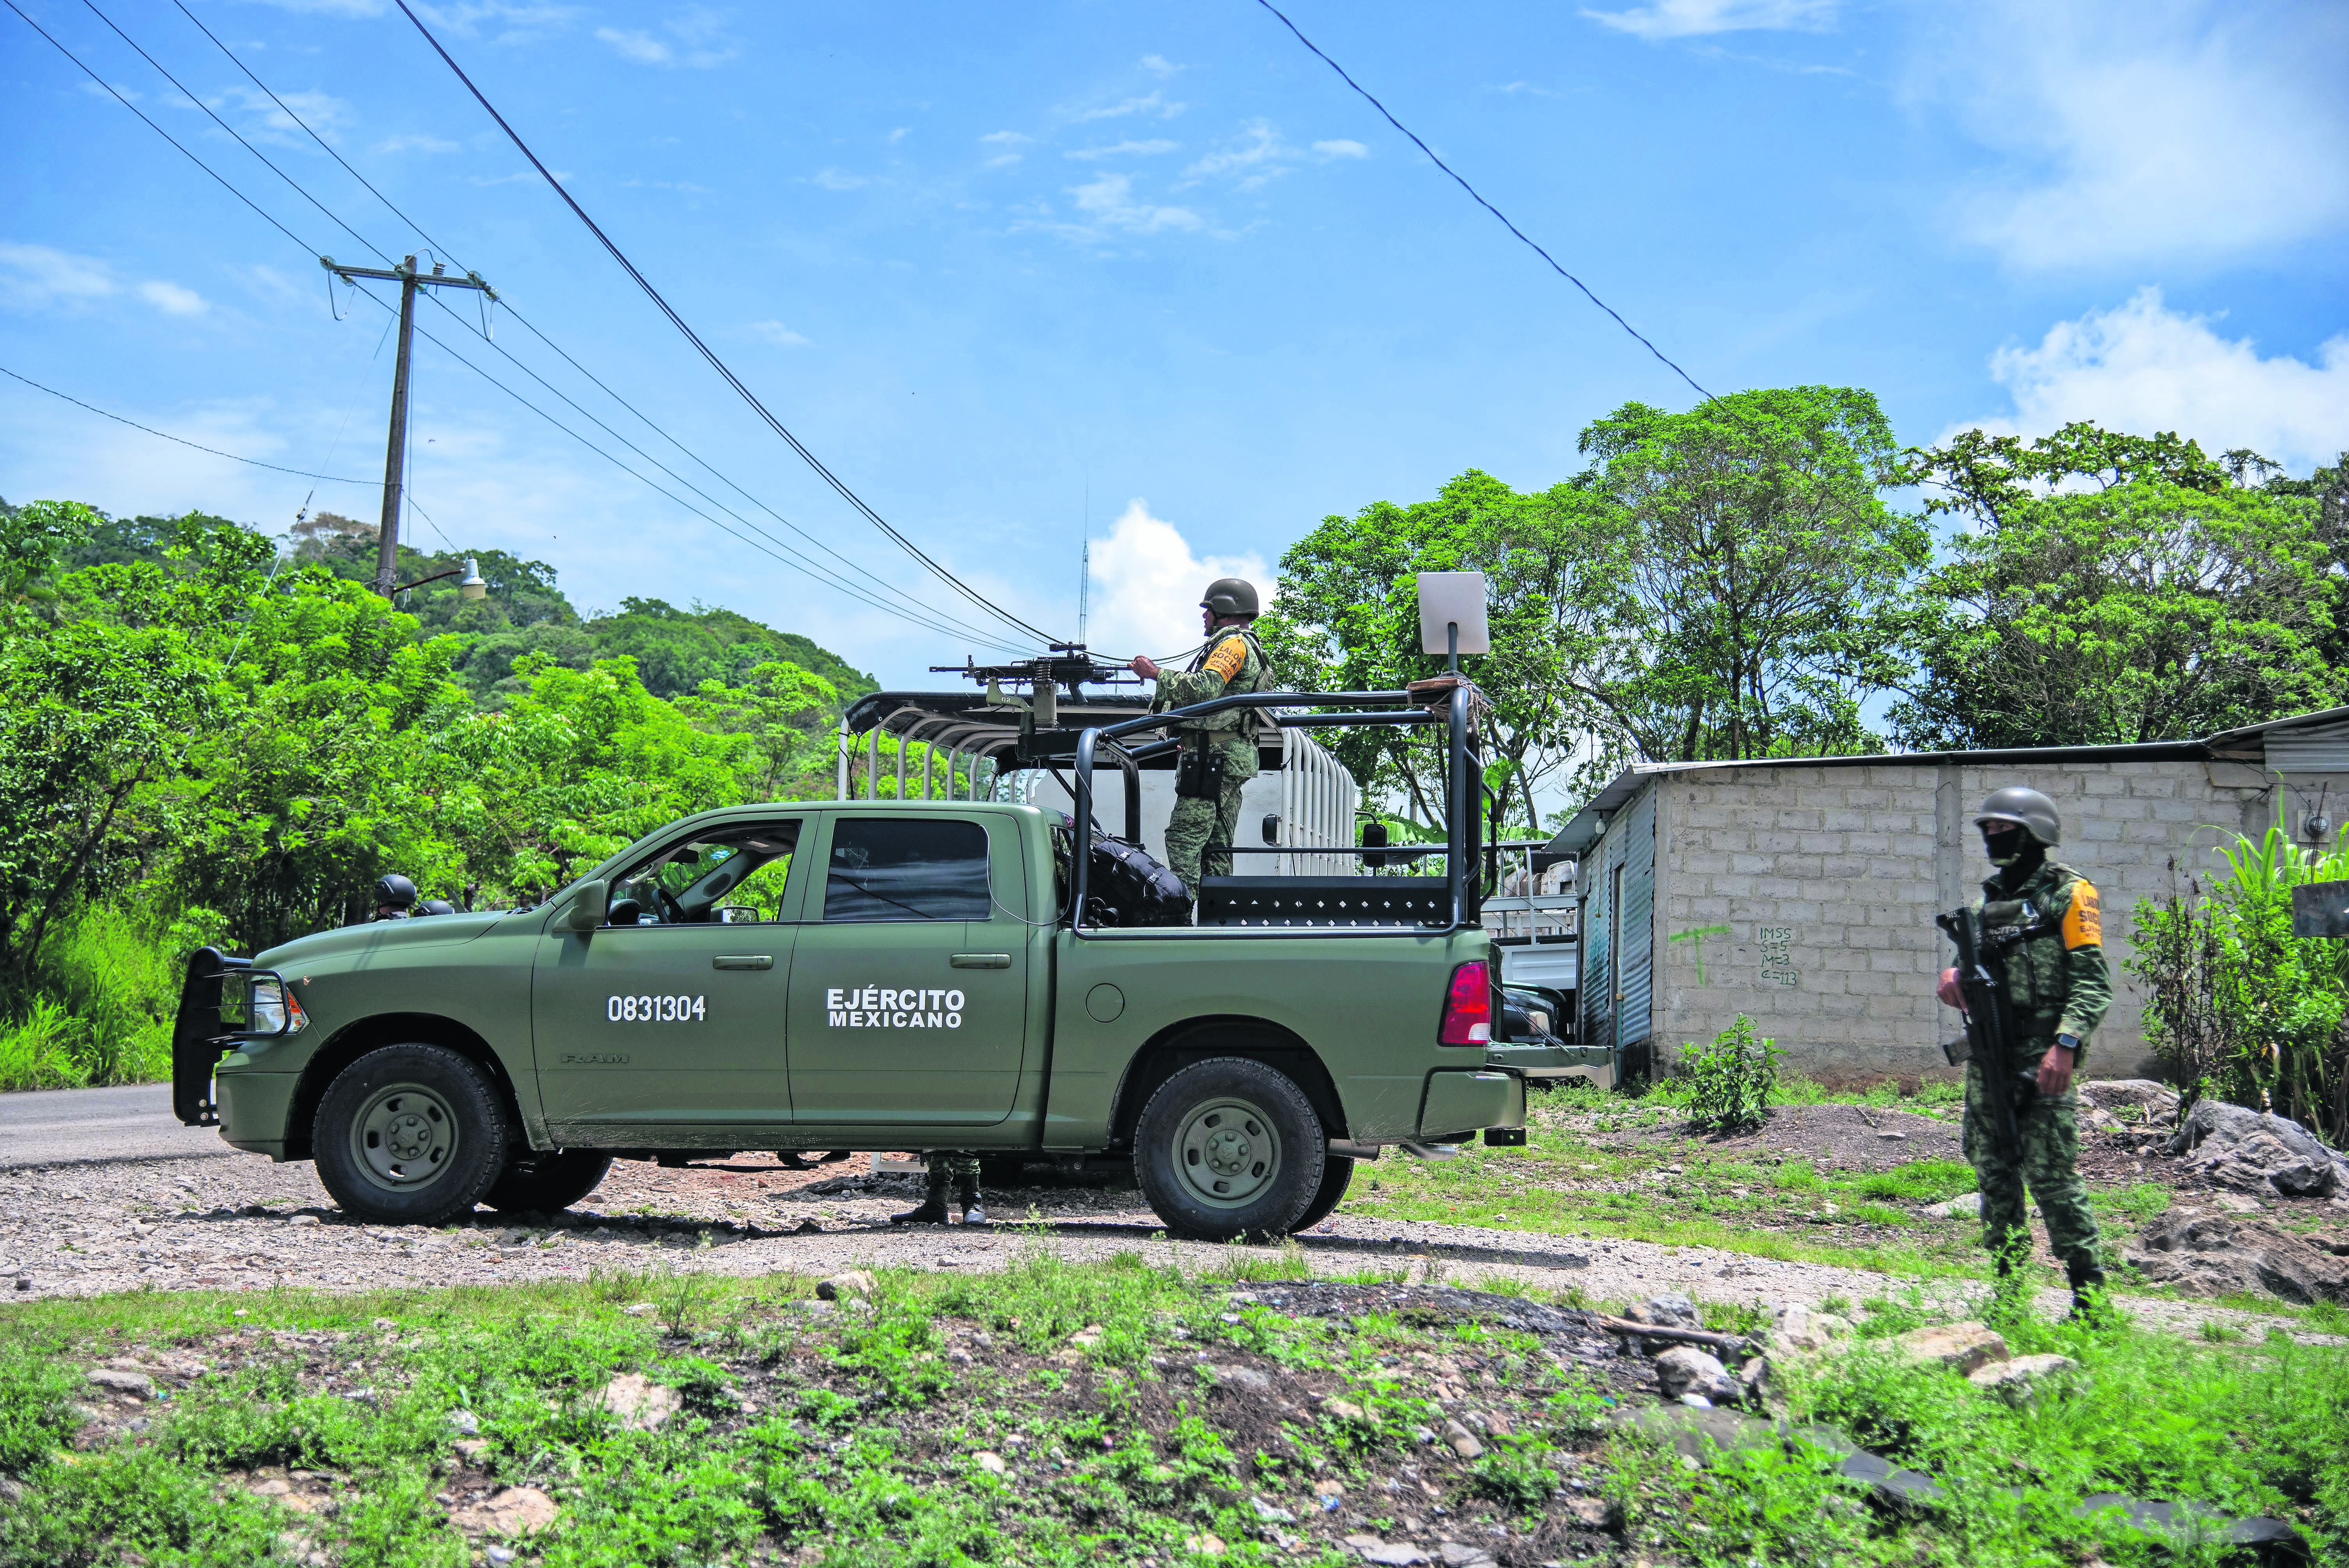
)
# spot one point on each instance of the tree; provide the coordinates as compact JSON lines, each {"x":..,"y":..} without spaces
{"x":1347,"y":618}
{"x":2106,"y":588}
{"x":1763,"y":568}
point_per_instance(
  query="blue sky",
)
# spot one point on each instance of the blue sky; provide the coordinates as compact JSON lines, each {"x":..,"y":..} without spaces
{"x":1144,"y":272}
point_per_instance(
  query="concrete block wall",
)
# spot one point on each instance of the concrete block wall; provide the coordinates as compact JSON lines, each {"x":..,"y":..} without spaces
{"x":1803,"y":896}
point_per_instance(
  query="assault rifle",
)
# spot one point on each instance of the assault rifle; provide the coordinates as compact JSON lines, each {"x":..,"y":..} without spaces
{"x":1989,"y":1025}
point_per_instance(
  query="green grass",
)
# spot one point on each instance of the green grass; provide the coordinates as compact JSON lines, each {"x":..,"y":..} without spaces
{"x":854,"y":1437}
{"x":1565,"y":1181}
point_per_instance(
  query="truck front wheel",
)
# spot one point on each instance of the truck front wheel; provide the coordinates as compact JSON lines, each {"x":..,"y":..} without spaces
{"x":1229,"y":1147}
{"x":410,"y":1135}
{"x":548,"y":1182}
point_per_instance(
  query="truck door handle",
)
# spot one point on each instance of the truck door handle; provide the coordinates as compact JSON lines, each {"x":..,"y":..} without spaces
{"x":981,"y":961}
{"x":743,"y":961}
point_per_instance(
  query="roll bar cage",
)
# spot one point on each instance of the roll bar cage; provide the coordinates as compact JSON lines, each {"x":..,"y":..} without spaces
{"x":1463,"y":823}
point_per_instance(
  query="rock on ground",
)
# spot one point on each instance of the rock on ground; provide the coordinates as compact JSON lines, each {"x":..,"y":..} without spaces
{"x":2208,"y":1252}
{"x":1684,"y":1369}
{"x":1961,"y":1346}
{"x":2257,"y":1151}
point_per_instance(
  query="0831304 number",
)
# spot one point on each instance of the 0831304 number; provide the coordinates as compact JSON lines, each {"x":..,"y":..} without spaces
{"x":653,"y":1009}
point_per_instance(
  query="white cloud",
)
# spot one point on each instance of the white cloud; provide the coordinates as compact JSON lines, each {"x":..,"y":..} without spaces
{"x":1159,"y":65}
{"x":416,"y":143}
{"x":1146,"y":583}
{"x":39,"y":277}
{"x":1000,"y":159}
{"x":637,"y":46}
{"x":1125,"y":148}
{"x":776,"y":333}
{"x":1257,"y":160}
{"x":1694,"y":18}
{"x":1153,"y":104}
{"x":1342,"y":148}
{"x":171,"y":299}
{"x":1005,"y":138}
{"x":2144,"y":367}
{"x":2136,"y":132}
{"x":837,"y":179}
{"x":898,"y":135}
{"x":699,"y":43}
{"x":1522,"y":87}
{"x":1109,"y":200}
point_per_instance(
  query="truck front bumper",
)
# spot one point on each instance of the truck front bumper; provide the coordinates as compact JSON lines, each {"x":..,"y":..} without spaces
{"x":1461,"y":1102}
{"x":253,"y":1108}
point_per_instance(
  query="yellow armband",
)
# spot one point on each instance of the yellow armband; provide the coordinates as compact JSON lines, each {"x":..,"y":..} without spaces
{"x":2083,"y":926}
{"x":1226,"y":661}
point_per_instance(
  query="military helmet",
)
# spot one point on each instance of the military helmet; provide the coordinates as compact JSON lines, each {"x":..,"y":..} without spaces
{"x":2027,"y":808}
{"x":1230,"y":596}
{"x":394,"y":892}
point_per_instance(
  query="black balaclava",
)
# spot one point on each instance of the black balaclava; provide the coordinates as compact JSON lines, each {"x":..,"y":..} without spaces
{"x":2014,"y":850}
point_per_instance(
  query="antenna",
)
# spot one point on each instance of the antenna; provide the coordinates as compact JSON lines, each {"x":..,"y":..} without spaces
{"x":1084,"y":588}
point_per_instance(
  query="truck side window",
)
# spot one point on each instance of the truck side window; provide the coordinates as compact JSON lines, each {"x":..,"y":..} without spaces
{"x":733,"y":875}
{"x":896,"y":868}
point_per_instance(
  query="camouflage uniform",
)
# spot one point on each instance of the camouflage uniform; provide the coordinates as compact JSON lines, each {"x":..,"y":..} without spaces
{"x":1200,"y":831}
{"x":2057,"y":983}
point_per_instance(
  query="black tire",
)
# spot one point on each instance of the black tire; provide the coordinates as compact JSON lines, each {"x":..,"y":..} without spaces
{"x":1236,"y":1125}
{"x":410,"y":1135}
{"x":1002,"y":1170}
{"x":547,"y":1182}
{"x":1334,"y":1179}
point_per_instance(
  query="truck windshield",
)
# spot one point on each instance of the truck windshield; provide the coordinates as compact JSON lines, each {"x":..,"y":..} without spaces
{"x":891,"y":868}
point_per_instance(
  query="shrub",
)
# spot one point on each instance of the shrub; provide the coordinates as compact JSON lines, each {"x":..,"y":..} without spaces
{"x":2237,"y":1006}
{"x":1728,"y":1081}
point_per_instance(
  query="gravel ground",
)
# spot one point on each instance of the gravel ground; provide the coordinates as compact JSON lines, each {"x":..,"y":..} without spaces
{"x":206,"y":1223}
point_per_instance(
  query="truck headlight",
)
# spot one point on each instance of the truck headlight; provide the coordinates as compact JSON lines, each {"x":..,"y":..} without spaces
{"x":259,"y":1005}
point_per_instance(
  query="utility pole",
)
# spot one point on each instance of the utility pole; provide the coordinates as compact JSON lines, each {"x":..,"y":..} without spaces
{"x":395,"y":457}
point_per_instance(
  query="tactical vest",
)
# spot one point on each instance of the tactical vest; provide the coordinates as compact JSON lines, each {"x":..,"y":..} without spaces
{"x":1248,"y":721}
{"x":2025,"y":933}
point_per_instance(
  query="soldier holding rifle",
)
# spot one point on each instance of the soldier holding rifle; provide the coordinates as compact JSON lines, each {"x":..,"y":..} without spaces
{"x":2033,"y":983}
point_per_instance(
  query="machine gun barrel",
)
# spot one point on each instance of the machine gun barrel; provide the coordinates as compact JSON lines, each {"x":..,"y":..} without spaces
{"x":1989,"y":1030}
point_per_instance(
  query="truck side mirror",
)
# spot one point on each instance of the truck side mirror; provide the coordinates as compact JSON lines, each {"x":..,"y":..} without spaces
{"x":588,"y":909}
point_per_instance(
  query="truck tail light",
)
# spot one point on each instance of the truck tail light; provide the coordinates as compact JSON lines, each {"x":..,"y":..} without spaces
{"x":1467,"y":1007}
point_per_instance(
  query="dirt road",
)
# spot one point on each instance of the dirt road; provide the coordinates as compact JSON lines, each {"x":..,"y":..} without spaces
{"x":85,"y":1208}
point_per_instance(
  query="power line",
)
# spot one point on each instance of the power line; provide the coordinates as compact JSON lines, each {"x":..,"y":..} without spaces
{"x":214,"y":451}
{"x":1475,"y":196}
{"x":565,"y":355}
{"x":987,"y":638}
{"x":802,"y":567}
{"x":837,"y":484}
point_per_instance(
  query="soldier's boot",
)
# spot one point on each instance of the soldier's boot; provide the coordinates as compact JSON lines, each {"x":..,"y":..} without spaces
{"x":2088,"y":1304}
{"x":933,"y":1211}
{"x":966,"y":1202}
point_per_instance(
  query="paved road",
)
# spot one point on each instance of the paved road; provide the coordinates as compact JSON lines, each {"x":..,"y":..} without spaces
{"x":97,"y":1125}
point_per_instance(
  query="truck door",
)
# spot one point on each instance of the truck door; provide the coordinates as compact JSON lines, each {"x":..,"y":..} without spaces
{"x":673,"y":1014}
{"x":909,"y":983}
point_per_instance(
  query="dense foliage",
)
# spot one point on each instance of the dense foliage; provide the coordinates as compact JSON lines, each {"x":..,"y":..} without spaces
{"x":201,"y":740}
{"x":2239,"y":1006}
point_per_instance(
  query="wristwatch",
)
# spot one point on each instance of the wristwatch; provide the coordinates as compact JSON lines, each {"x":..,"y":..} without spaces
{"x":2069,"y":1042}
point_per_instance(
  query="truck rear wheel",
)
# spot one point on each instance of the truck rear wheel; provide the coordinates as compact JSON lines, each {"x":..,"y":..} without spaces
{"x":1335,"y":1178}
{"x":1229,"y":1147}
{"x":410,"y":1135}
{"x":547,"y":1181}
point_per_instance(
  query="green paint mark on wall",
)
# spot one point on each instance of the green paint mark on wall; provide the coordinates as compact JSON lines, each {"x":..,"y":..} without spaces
{"x":1695,"y":937}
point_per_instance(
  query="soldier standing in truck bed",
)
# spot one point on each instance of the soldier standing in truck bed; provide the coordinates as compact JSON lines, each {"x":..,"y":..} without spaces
{"x":1218,"y":752}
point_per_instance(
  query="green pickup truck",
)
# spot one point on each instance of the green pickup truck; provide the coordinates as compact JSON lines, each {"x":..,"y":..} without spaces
{"x":857,"y":974}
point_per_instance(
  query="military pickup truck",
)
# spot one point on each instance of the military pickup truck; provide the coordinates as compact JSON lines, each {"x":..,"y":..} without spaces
{"x":861,"y":974}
